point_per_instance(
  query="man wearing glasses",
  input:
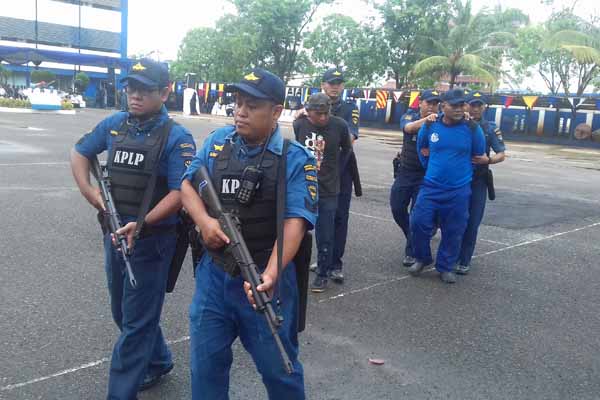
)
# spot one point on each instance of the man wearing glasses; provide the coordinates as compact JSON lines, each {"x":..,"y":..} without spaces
{"x":446,"y":149}
{"x":141,"y":143}
{"x":408,"y":171}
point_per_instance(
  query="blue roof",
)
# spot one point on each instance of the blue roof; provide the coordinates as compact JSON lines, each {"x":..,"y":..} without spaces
{"x":23,"y":55}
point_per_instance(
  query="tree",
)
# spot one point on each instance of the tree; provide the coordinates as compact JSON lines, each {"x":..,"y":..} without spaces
{"x":42,"y":76}
{"x":472,"y":46}
{"x":82,"y":80}
{"x":405,"y":24}
{"x":341,"y":42}
{"x":278,"y":28}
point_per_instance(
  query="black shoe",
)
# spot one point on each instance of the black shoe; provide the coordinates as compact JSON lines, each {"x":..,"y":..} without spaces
{"x":408,"y":261}
{"x":152,"y":380}
{"x":417,"y":268}
{"x":448,"y":277}
{"x":319,"y":285}
{"x":337,"y":276}
{"x":313,"y":267}
{"x":462,"y":269}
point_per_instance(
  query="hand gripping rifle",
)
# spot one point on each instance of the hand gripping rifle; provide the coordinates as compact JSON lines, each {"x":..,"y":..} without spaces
{"x":239,"y":250}
{"x":111,"y":216}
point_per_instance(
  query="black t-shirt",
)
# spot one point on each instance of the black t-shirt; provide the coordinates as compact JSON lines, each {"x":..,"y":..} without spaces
{"x":325,"y":143}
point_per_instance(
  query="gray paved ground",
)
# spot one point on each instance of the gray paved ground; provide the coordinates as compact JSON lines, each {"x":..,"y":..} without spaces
{"x":523,"y":325}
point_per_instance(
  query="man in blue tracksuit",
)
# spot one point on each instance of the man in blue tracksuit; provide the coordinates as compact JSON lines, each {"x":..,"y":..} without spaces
{"x":140,"y":355}
{"x":447,"y":148}
{"x":479,"y":185}
{"x":408,"y":175}
{"x":220,"y":311}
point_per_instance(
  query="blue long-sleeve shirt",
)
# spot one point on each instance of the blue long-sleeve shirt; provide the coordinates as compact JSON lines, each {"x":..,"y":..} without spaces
{"x":451,"y":148}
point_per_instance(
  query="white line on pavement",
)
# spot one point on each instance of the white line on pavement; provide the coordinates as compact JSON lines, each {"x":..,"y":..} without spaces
{"x":495,"y":242}
{"x":75,"y":369}
{"x":397,"y":279}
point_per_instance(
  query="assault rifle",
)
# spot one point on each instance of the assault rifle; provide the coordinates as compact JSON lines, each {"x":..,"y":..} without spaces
{"x":239,"y":250}
{"x":112,"y":220}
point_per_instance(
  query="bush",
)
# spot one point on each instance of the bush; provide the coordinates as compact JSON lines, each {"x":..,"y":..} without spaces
{"x":66,"y":105}
{"x":42,"y":76}
{"x":82,"y":80}
{"x":14,"y":103}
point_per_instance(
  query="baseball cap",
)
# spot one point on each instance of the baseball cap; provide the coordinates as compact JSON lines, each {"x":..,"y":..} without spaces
{"x":318,"y":102}
{"x":261,"y":84}
{"x":149,"y":73}
{"x":454,"y":96}
{"x":430,"y":95}
{"x":477,"y":97}
{"x":333,"y":75}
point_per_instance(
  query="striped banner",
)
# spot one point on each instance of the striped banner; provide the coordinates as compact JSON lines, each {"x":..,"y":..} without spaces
{"x":414,"y":99}
{"x":382,"y":96}
{"x":367,"y":93}
{"x":397,"y":96}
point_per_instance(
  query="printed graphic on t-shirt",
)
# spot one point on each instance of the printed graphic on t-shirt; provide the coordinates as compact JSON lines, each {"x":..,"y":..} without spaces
{"x":316,"y":144}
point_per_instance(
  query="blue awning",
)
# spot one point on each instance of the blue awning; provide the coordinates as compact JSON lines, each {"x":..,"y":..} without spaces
{"x":23,"y":55}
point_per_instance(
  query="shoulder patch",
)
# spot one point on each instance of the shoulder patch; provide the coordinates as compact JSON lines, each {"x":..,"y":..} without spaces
{"x":310,"y":167}
{"x":408,"y":117}
{"x":310,"y":178}
{"x":312,"y":191}
{"x":213,"y":154}
{"x":114,"y":133}
{"x":218,"y":147}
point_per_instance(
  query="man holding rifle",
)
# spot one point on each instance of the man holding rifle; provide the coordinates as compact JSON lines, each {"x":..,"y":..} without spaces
{"x":147,"y":155}
{"x":245,"y":164}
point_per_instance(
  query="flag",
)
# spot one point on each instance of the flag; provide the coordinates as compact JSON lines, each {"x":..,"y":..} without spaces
{"x":206,"y":90}
{"x":576,"y":101}
{"x":367,"y":93}
{"x":414,"y":99}
{"x":382,"y":96}
{"x":305,"y":92}
{"x":530,"y":100}
{"x":507,"y":101}
{"x":397,"y":96}
{"x":221,"y":89}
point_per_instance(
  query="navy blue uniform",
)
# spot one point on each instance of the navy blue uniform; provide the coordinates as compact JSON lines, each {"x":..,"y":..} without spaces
{"x":493,"y":140}
{"x":141,"y":348}
{"x":347,"y":111}
{"x":446,"y":189}
{"x":407,"y":182}
{"x":220,"y":311}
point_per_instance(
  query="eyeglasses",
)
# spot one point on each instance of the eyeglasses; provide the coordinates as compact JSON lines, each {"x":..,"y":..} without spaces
{"x":140,"y":90}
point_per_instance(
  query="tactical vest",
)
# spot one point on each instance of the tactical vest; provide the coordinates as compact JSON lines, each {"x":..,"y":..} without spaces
{"x":409,"y":157}
{"x":130,"y":165}
{"x":259,"y":219}
{"x":480,"y":171}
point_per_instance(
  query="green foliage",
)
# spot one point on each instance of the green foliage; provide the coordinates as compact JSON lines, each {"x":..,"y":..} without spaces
{"x":42,"y":76}
{"x":474,"y":45}
{"x":66,"y":105}
{"x":82,"y":81}
{"x":14,"y":103}
{"x":4,"y":75}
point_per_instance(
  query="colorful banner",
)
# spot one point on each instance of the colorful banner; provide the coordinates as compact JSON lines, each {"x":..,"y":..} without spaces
{"x":221,"y":89}
{"x":507,"y":101}
{"x":382,"y":96}
{"x":414,"y":99}
{"x":397,"y":95}
{"x":530,"y":100}
{"x":206,"y":90}
{"x":367,"y":94}
{"x":576,"y":101}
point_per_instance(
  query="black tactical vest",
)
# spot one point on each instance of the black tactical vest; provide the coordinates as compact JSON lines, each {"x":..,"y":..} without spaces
{"x":259,"y":219}
{"x":409,"y":158}
{"x":130,"y":165}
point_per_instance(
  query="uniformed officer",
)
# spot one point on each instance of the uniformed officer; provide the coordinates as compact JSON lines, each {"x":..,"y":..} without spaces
{"x":133,"y":141}
{"x":479,"y":185}
{"x":333,"y":86}
{"x":446,"y":147}
{"x":409,"y":172}
{"x":220,"y":310}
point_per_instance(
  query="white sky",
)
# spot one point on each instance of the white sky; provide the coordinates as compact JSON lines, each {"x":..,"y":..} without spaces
{"x":160,"y":25}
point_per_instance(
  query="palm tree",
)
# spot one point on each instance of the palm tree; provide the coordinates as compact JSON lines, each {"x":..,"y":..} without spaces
{"x":584,"y":47}
{"x":470,"y":48}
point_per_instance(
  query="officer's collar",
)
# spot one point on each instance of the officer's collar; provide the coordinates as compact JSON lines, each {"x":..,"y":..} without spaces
{"x":149,"y":123}
{"x":275,"y":144}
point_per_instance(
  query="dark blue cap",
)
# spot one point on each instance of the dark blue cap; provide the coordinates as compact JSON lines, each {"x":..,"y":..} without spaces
{"x":333,"y":75}
{"x":261,"y":84}
{"x":477,"y":97}
{"x":430,"y":95}
{"x":454,"y":96}
{"x":149,"y":73}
